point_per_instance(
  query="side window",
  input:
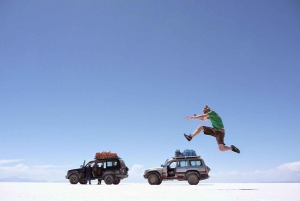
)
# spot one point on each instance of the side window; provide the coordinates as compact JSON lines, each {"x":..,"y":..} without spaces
{"x":182,"y":163}
{"x":111,"y":164}
{"x":115,"y":163}
{"x":101,"y":164}
{"x":108,"y":163}
{"x":195,"y":163}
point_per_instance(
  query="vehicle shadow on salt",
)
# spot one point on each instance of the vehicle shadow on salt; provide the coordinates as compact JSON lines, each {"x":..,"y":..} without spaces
{"x":219,"y":189}
{"x":185,"y":184}
{"x":241,"y":189}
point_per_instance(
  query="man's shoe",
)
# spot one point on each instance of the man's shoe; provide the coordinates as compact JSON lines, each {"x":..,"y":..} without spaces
{"x":235,"y":149}
{"x":188,"y":137}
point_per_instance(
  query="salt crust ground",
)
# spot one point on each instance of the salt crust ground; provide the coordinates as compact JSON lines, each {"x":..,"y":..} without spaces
{"x":142,"y":192}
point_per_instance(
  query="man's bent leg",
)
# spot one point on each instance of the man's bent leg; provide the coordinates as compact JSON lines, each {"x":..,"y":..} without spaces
{"x":197,"y":131}
{"x":223,"y":147}
{"x":220,"y":134}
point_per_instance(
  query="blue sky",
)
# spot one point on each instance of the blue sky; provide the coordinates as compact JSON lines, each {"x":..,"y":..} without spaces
{"x":88,"y":76}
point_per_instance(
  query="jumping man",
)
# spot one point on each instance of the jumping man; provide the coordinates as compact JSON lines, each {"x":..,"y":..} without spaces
{"x":216,"y":131}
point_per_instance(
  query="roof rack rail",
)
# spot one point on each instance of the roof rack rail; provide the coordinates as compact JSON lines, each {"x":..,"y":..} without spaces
{"x":107,"y":158}
{"x":185,"y":157}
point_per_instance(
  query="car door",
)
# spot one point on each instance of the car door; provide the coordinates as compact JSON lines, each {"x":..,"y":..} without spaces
{"x":172,"y":169}
{"x":196,"y":165}
{"x":181,"y":169}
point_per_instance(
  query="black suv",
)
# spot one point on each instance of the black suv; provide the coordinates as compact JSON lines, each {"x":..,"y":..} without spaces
{"x":189,"y":168}
{"x":111,"y":170}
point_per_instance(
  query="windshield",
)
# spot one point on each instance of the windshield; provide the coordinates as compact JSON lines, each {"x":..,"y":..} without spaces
{"x":166,"y":163}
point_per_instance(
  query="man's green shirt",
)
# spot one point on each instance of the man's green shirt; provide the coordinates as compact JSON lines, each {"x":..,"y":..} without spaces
{"x":215,"y":120}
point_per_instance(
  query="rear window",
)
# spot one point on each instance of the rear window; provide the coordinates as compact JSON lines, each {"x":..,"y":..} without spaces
{"x":195,"y":163}
{"x":122,"y":163}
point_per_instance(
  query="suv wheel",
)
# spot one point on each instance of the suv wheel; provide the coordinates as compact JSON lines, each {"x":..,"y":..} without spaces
{"x":109,"y":179}
{"x":192,"y":179}
{"x":73,"y":179}
{"x":153,"y":179}
{"x":117,"y":181}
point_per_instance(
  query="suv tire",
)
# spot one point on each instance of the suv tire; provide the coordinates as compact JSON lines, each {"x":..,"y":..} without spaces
{"x":73,"y":179}
{"x":109,"y":179}
{"x":117,"y":181}
{"x":193,"y":179}
{"x":153,"y":179}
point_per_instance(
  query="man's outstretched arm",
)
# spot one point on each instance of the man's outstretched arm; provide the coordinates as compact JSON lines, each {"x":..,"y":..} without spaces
{"x":202,"y":117}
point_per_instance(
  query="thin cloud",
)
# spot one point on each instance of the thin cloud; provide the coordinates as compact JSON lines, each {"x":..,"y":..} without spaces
{"x":36,"y":172}
{"x":288,"y":172}
{"x":51,"y":166}
{"x":10,"y":161}
{"x":293,"y":167}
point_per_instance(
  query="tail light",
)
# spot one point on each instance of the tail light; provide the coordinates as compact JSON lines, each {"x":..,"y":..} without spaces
{"x":122,"y":170}
{"x":206,"y":170}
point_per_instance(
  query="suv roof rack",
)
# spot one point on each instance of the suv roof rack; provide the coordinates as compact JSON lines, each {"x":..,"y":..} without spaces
{"x":107,"y":158}
{"x":185,"y":157}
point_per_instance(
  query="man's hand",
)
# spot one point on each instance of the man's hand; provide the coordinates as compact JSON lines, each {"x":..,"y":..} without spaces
{"x":188,"y":118}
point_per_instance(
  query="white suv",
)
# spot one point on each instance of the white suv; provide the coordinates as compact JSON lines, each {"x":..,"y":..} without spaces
{"x":190,"y":168}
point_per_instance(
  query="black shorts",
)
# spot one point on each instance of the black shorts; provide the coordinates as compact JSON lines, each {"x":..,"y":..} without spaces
{"x":218,"y":134}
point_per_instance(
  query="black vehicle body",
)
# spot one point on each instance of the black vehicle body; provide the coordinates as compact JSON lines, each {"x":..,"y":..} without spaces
{"x":111,"y":170}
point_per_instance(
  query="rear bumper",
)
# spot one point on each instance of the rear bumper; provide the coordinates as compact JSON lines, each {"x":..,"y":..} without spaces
{"x":203,"y":177}
{"x":122,"y":176}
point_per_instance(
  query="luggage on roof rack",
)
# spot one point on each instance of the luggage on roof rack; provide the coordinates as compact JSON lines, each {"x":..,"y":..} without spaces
{"x":178,"y":153}
{"x":189,"y":152}
{"x":105,"y":154}
{"x":186,"y":152}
